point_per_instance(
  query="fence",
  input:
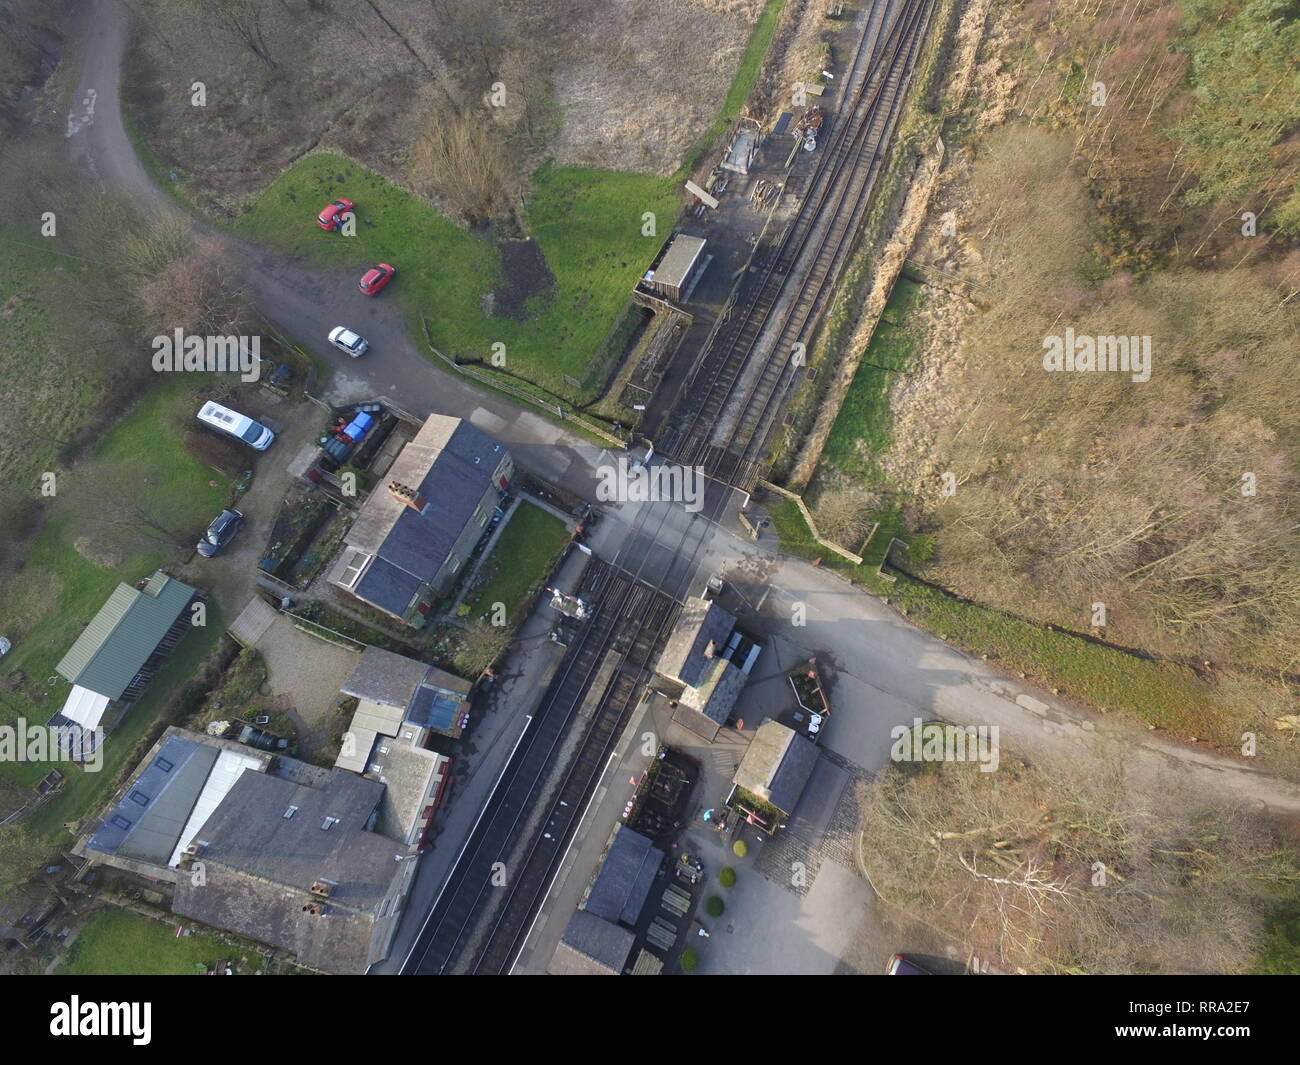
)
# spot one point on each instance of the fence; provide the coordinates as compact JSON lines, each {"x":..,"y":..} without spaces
{"x":812,"y":525}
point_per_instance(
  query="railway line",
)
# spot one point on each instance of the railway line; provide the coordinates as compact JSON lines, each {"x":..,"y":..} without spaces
{"x":737,"y":391}
{"x":481,"y":917}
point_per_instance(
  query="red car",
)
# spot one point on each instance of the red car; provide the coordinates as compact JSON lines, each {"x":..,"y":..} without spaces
{"x":376,"y":278}
{"x":332,"y":216}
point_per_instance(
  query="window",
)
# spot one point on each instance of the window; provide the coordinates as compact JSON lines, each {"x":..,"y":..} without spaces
{"x":290,"y":812}
{"x":120,"y":821}
{"x":353,"y":568}
{"x":164,"y":765}
{"x":139,"y":797}
{"x":328,"y":823}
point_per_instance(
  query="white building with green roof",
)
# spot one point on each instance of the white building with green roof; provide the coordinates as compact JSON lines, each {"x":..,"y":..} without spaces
{"x":123,"y":646}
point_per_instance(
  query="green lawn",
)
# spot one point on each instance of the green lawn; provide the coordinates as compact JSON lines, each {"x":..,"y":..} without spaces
{"x":861,"y":430}
{"x":121,"y":943}
{"x":523,"y":555}
{"x":586,"y":222}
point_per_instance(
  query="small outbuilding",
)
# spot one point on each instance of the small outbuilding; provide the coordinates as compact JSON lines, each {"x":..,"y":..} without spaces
{"x":772,"y":776}
{"x":679,"y":266}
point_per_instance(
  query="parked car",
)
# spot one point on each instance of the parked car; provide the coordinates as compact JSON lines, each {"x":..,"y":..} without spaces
{"x":240,"y":426}
{"x":902,"y":966}
{"x":332,"y":217}
{"x":222,"y":530}
{"x":346,"y":340}
{"x":376,"y":278}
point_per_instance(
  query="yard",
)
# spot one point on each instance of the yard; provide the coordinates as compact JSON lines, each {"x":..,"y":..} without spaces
{"x":121,"y":943}
{"x":586,"y":223}
{"x":524,"y":554}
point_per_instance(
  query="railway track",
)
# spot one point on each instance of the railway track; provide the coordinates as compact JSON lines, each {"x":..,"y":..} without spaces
{"x":478,"y":924}
{"x":753,"y":358}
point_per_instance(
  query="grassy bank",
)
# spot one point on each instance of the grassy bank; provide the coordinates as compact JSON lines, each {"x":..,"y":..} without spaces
{"x":1166,"y":695}
{"x":861,"y":431}
{"x":587,"y":224}
{"x":751,"y":62}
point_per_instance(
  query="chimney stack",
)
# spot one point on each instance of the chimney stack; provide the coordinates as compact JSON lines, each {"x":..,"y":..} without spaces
{"x":410,"y":496}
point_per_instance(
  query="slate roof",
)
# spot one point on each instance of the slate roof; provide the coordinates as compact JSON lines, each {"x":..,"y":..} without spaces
{"x":719,"y":687}
{"x":625,"y":877}
{"x":777,"y":765}
{"x":260,"y":865}
{"x":248,"y":832}
{"x":451,"y":462}
{"x":127,"y":629}
{"x":700,"y":622}
{"x":591,"y":947}
{"x":385,"y":678}
{"x":387,"y":586}
{"x":148,"y":819}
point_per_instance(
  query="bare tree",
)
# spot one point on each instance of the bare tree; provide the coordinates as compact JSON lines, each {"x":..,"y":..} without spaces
{"x":464,"y":162}
{"x":1062,"y":869}
{"x":200,"y":292}
{"x":243,"y":20}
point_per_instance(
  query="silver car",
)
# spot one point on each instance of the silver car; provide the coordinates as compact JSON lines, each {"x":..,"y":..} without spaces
{"x":346,"y":340}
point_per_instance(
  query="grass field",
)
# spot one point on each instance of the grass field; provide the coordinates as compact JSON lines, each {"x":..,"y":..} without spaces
{"x":48,"y":383}
{"x":862,"y":428}
{"x":586,"y":222}
{"x":121,"y":943}
{"x":47,"y":603}
{"x":523,"y":555}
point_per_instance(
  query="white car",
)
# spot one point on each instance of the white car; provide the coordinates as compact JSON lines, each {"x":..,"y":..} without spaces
{"x":346,"y":340}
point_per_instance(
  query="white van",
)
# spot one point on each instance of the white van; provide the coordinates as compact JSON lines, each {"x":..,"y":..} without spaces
{"x":240,"y":426}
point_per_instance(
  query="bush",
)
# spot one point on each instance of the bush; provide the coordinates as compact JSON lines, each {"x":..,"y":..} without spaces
{"x":689,"y":961}
{"x":739,"y":848}
{"x":714,"y":906}
{"x":727,"y":878}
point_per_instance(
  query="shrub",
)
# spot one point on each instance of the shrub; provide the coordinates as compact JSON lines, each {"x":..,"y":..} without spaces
{"x":689,"y":961}
{"x":739,"y":848}
{"x":727,"y":878}
{"x":714,"y":906}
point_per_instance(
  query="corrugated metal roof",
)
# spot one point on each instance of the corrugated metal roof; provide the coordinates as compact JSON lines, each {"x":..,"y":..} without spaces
{"x":125,"y":632}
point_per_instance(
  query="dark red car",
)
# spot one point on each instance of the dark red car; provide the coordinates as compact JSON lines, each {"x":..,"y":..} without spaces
{"x":332,"y":216}
{"x":375,"y":279}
